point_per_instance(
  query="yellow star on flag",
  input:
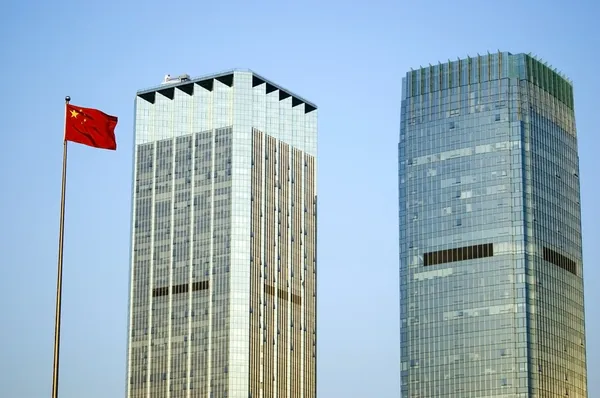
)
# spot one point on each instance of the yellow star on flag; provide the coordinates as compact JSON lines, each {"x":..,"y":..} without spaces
{"x":74,"y":113}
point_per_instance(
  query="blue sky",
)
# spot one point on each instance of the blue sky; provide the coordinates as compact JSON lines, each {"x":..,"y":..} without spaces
{"x":347,"y":58}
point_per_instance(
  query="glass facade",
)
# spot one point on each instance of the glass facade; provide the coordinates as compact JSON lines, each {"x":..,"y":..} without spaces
{"x":491,"y":273}
{"x":223,"y":262}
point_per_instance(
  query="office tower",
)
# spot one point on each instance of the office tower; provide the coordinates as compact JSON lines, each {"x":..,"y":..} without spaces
{"x":223,"y":280}
{"x":491,"y":273}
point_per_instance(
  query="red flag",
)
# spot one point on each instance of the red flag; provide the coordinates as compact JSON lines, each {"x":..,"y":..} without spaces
{"x":91,"y":127}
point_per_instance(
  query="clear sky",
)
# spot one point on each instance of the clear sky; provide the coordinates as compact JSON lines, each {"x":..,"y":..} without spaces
{"x":347,"y":58}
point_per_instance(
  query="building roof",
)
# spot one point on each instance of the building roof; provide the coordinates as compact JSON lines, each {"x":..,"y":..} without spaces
{"x":187,"y":85}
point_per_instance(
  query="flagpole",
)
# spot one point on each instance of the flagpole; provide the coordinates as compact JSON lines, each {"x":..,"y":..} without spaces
{"x":61,"y":236}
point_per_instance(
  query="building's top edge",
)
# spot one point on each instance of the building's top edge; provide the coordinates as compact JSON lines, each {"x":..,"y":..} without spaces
{"x":176,"y":83}
{"x":535,"y":57}
{"x":279,"y":87}
{"x":540,"y":60}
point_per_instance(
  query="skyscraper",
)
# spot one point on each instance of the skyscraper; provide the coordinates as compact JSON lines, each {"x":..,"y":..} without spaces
{"x":223,"y":262}
{"x":491,"y":273}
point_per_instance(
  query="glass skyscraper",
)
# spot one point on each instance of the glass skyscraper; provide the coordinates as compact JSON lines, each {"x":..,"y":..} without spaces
{"x":223,"y":263}
{"x":491,"y":273}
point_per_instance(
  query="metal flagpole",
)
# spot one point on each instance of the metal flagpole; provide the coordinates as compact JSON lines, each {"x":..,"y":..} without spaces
{"x":61,"y":236}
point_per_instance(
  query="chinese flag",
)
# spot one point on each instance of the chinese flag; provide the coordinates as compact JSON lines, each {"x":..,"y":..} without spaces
{"x":91,"y":127}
